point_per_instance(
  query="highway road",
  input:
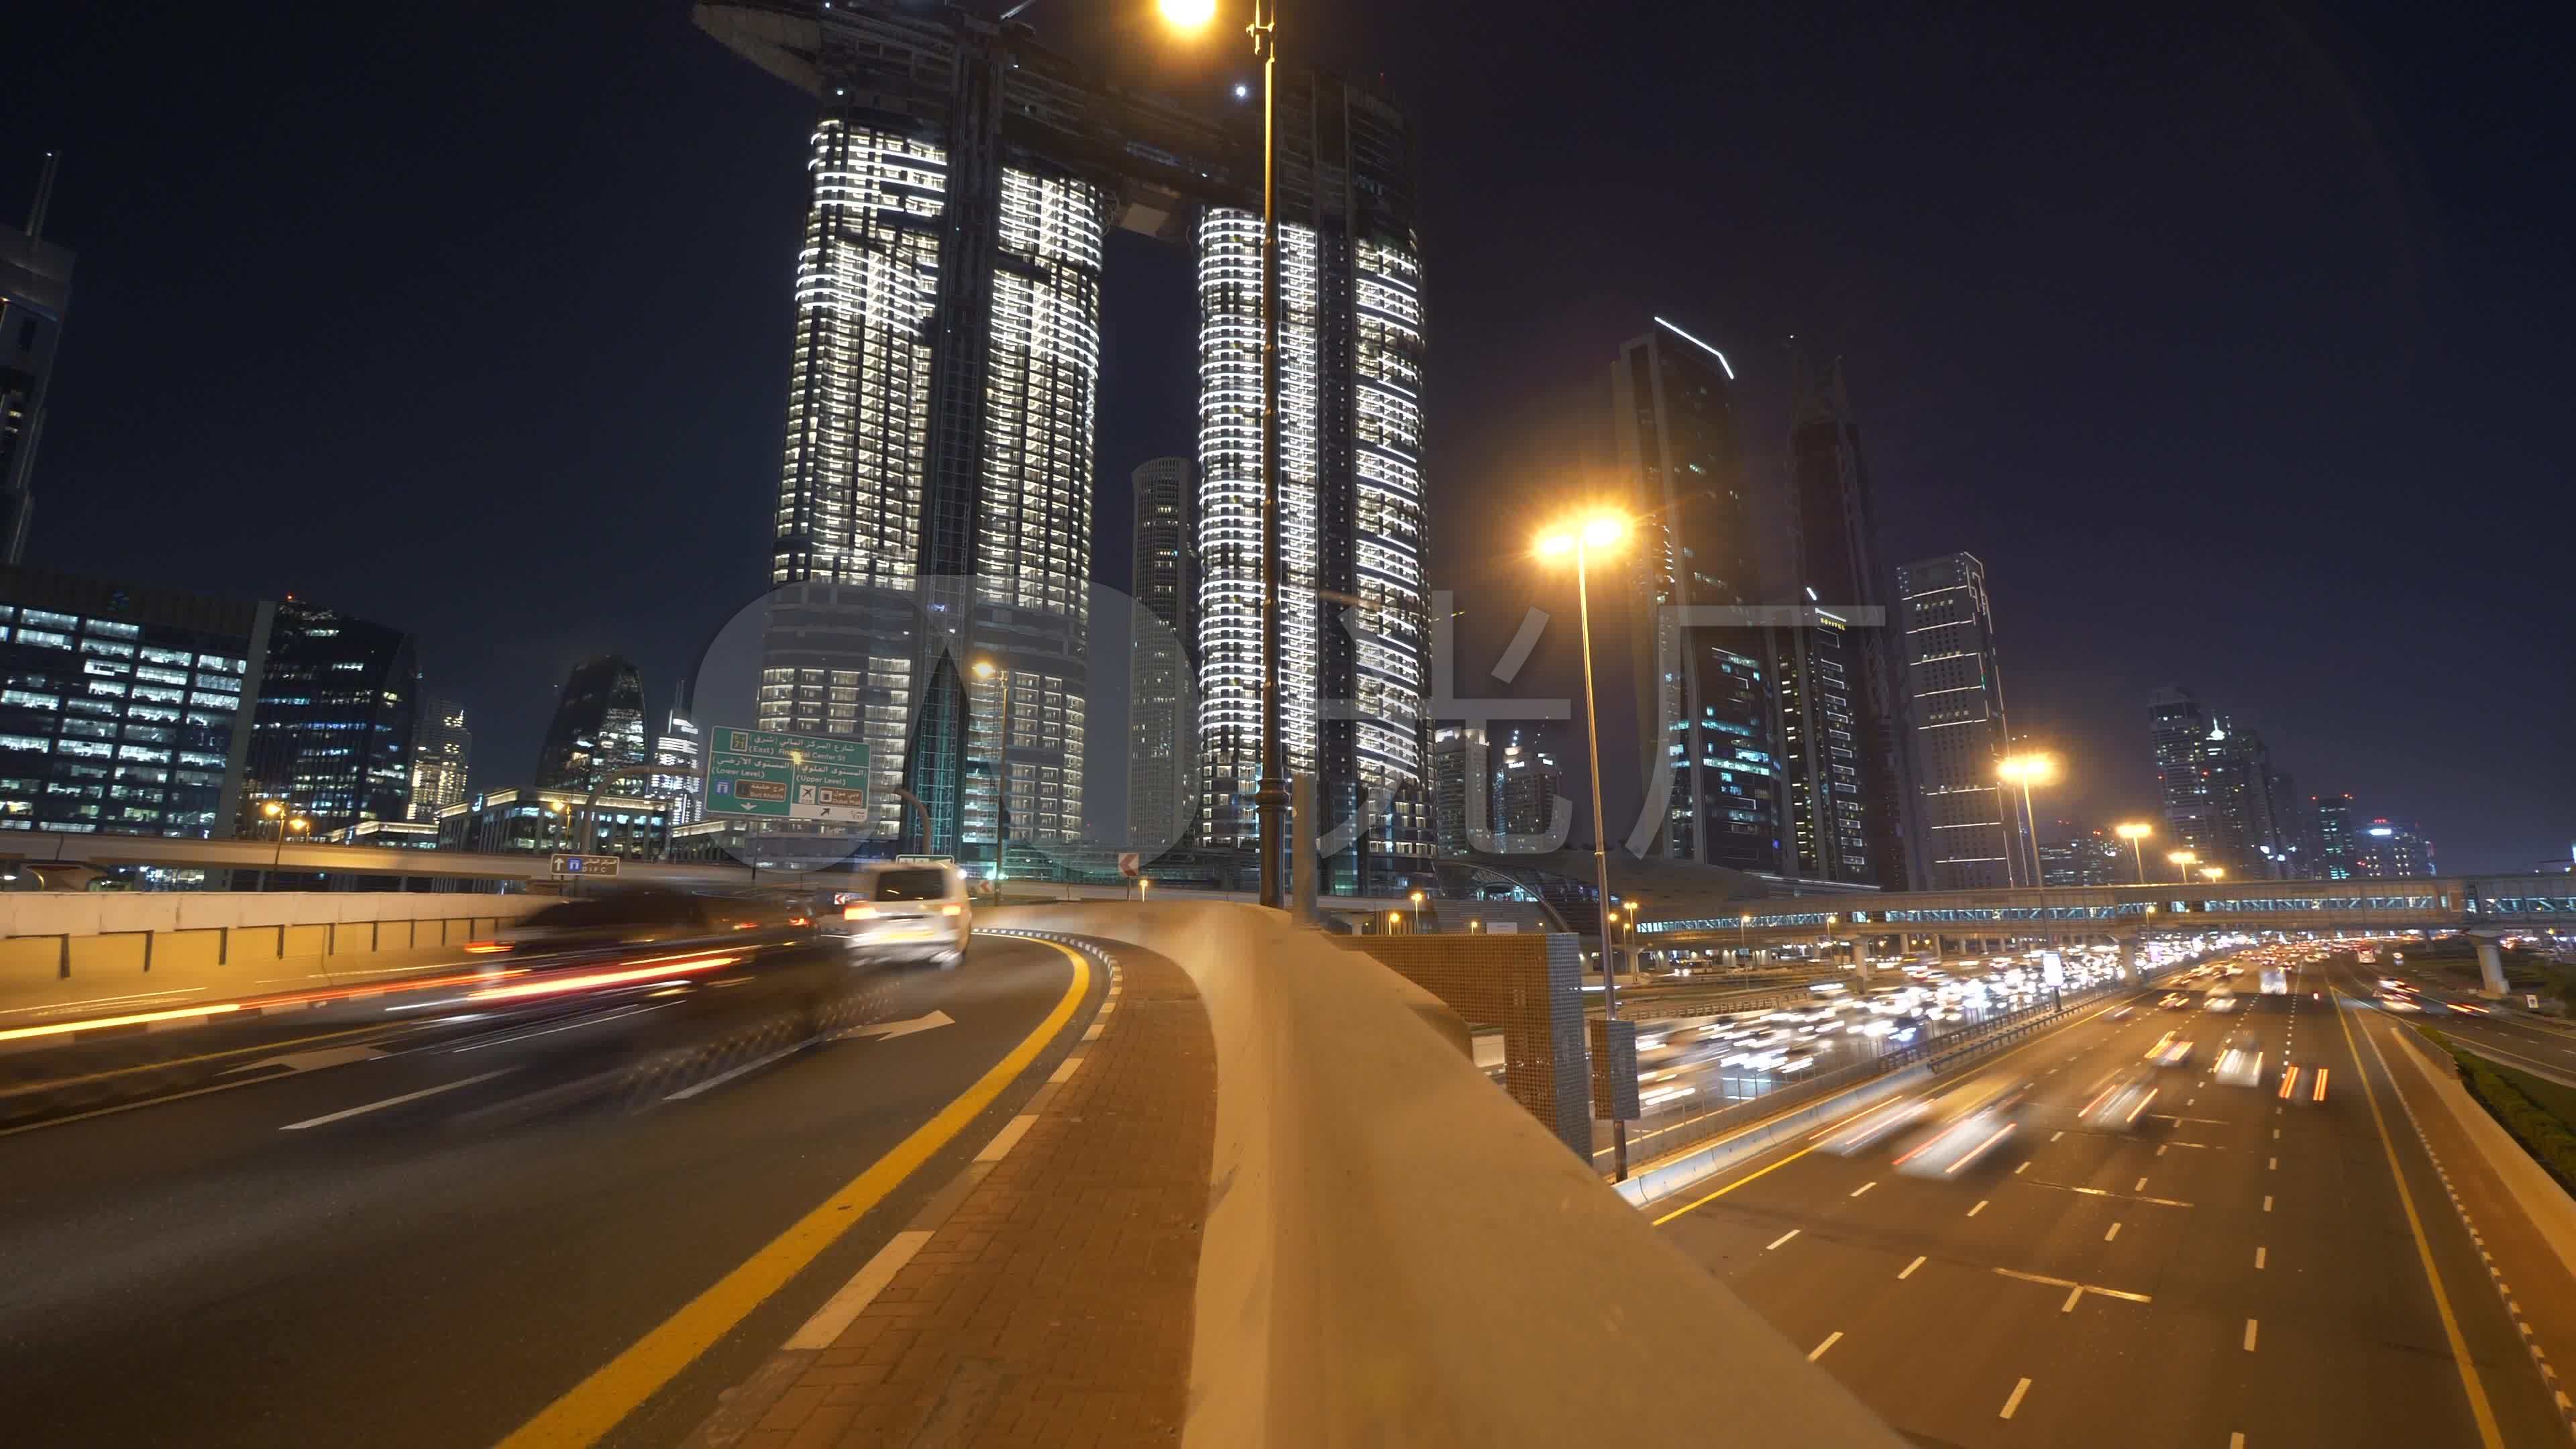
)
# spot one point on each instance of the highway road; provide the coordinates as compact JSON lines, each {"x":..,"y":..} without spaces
{"x":2245,"y":1271}
{"x":428,"y":1246}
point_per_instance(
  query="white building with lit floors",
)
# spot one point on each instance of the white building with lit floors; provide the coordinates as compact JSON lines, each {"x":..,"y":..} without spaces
{"x":1354,"y":615}
{"x":680,"y":748}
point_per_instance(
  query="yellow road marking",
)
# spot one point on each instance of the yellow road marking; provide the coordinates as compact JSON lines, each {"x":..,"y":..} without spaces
{"x":2478,"y":1406}
{"x":1803,"y":1151}
{"x":617,"y":1388}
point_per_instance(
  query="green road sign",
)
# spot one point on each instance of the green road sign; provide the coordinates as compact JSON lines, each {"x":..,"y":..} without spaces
{"x":758,"y":775}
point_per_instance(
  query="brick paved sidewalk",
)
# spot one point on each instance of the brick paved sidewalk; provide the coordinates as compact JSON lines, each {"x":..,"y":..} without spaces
{"x":1044,"y":1296}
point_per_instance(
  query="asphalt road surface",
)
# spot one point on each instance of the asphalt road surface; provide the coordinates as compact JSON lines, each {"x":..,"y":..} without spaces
{"x":2242,"y":1266}
{"x":429,"y":1246}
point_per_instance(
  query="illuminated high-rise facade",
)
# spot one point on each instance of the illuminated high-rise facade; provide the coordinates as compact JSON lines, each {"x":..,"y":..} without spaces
{"x":1354,"y":616}
{"x":932,"y":556}
{"x":441,"y":746}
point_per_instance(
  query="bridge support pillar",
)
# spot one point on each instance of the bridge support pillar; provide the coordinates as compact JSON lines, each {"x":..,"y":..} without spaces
{"x":2129,"y":971}
{"x":2490,"y":968}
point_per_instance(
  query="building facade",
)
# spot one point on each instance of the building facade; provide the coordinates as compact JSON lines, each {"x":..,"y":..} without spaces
{"x":124,"y":710}
{"x":1818,"y":669}
{"x":597,"y":729}
{"x":2392,"y":850}
{"x":1847,"y":773}
{"x":2332,"y":824}
{"x":441,"y":749}
{"x":1162,"y":670}
{"x":35,"y":288}
{"x":1528,"y":786}
{"x":1705,"y":704}
{"x":932,"y":564}
{"x":332,"y":733}
{"x":549,"y":821}
{"x":680,"y":755}
{"x":1966,"y":834}
{"x":1462,"y":789}
{"x":2223,"y":799}
{"x":1354,"y":613}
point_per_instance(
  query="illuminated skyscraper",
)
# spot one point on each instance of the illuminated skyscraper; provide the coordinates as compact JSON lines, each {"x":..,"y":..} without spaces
{"x":932,"y":558}
{"x":598,"y":727}
{"x":440,"y":747}
{"x":1354,"y":620}
{"x":332,"y":729}
{"x":1967,"y":834}
{"x":1705,"y":702}
{"x":680,"y":747}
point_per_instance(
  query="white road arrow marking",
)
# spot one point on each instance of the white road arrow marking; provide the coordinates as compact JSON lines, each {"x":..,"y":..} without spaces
{"x":889,"y":1030}
{"x":315,"y":1060}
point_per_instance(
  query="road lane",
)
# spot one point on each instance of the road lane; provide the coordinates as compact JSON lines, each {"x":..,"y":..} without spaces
{"x":2348,"y":1346}
{"x":436,"y":1271}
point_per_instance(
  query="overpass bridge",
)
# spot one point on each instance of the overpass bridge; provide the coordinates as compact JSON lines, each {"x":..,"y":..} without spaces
{"x":2483,"y":906}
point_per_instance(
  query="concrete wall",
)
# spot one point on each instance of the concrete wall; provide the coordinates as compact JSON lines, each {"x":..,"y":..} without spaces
{"x":64,"y":949}
{"x":1532,"y":987}
{"x":1396,"y":1254}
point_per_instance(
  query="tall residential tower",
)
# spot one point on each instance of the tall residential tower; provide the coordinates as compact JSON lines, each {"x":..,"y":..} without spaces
{"x":931,"y":566}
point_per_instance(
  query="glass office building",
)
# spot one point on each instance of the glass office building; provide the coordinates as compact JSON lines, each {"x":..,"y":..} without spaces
{"x":331,"y":736}
{"x":123,"y":709}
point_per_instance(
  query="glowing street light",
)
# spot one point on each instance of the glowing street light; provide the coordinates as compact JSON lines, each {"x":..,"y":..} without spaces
{"x":2182,"y":862}
{"x":2214,"y":873}
{"x":2026,"y":771}
{"x":2135,"y":832}
{"x":1597,"y":532}
{"x":1417,"y":910}
{"x":1188,"y":14}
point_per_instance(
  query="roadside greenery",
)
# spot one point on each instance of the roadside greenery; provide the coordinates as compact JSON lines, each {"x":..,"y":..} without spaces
{"x":2541,"y":1115}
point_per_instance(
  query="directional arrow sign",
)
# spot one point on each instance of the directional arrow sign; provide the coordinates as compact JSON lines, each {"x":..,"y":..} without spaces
{"x":313,"y":1061}
{"x":888,"y":1030}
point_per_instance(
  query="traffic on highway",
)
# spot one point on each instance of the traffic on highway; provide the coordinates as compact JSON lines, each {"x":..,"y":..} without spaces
{"x":2211,"y":1223}
{"x":415,"y":1211}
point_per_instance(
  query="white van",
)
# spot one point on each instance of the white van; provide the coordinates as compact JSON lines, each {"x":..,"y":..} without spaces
{"x":903,"y":911}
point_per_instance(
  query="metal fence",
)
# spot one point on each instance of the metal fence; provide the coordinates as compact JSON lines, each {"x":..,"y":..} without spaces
{"x":1650,"y":1138}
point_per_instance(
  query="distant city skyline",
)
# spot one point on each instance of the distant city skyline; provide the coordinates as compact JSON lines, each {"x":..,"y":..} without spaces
{"x":2229,"y":397}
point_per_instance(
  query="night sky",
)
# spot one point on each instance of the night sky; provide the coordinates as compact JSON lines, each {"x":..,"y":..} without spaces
{"x":2234,"y":338}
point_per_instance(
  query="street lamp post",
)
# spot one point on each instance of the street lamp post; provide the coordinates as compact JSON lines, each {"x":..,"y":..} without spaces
{"x":2136,"y":832}
{"x":1417,"y":912}
{"x":2182,"y":862}
{"x":2213,"y":873}
{"x":1601,"y":531}
{"x":2026,"y":771}
{"x":1272,"y":801}
{"x":275,"y":813}
{"x":299,"y":825}
{"x":1743,"y":940}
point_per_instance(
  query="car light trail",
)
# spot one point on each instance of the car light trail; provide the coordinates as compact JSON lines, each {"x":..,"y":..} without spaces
{"x":591,"y":979}
{"x":2290,"y":1080}
{"x":101,"y":1023}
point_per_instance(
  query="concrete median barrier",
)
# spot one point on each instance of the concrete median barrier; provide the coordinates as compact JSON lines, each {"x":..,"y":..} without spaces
{"x":1396,"y":1253}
